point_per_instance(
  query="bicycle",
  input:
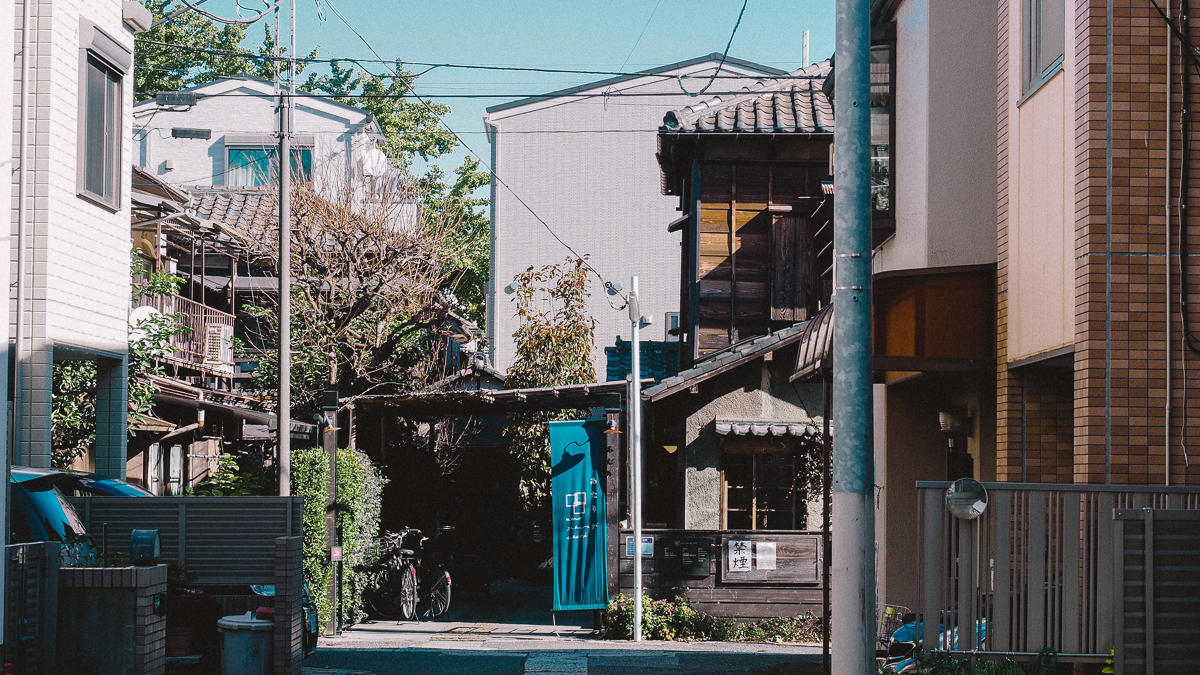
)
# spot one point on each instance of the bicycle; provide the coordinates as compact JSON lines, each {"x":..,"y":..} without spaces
{"x":402,"y":573}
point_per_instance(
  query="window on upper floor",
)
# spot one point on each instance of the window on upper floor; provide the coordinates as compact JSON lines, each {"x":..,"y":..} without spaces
{"x":256,"y":166}
{"x":1042,"y":41}
{"x":101,"y":108}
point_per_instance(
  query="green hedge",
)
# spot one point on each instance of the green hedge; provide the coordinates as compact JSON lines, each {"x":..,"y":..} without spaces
{"x":676,"y":619}
{"x":360,"y":487}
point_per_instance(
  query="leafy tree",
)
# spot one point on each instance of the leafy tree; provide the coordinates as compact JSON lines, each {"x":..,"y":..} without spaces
{"x":554,"y":346}
{"x":365,"y":290}
{"x":159,"y":68}
{"x":412,"y":129}
{"x":74,"y":388}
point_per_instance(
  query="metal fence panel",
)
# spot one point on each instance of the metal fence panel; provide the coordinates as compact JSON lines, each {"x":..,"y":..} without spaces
{"x":1037,"y":570}
{"x":224,"y":540}
{"x":1158,"y":583}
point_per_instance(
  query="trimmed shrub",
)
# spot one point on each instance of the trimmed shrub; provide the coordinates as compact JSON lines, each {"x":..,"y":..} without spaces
{"x":360,"y":487}
{"x":676,"y":619}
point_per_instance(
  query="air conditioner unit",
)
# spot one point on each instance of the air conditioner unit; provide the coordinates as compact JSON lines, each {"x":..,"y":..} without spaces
{"x":218,"y":344}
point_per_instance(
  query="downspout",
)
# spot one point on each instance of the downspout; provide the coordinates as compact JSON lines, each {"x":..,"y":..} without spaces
{"x":1167,"y":259}
{"x":1108,"y":211}
{"x":22,"y":233}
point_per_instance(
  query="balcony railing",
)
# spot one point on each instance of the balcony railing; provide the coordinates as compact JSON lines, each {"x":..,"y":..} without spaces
{"x":207,"y":343}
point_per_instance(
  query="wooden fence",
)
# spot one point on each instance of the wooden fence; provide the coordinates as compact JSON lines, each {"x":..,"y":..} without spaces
{"x":1035,"y":570}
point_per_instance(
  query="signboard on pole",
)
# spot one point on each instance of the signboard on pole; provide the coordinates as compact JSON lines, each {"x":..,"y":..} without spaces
{"x":577,"y":454}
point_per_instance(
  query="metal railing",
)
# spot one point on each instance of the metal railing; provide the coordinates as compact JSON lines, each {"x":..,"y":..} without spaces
{"x":193,"y":347}
{"x":1035,"y":570}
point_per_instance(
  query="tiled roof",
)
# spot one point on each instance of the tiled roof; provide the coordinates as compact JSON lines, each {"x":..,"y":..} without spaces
{"x":730,"y":357}
{"x":660,"y":360}
{"x":793,"y":103}
{"x":250,"y":209}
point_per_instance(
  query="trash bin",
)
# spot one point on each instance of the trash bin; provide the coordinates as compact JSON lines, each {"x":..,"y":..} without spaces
{"x":245,"y":645}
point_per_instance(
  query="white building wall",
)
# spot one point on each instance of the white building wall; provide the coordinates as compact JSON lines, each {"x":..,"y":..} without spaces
{"x":944,"y":159}
{"x":593,"y":177}
{"x":78,"y":251}
{"x":243,"y":106}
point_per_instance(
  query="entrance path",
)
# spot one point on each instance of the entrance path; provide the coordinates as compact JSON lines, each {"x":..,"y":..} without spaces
{"x":511,"y":633}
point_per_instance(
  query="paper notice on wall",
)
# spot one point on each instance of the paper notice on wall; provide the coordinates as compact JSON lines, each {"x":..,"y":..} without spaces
{"x":738,"y":555}
{"x":764,"y":555}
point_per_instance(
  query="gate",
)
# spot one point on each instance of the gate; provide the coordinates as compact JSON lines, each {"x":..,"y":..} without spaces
{"x":32,"y":604}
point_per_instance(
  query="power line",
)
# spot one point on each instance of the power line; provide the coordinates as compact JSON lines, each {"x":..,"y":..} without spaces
{"x":414,"y":95}
{"x":463,"y":66}
{"x":482,"y":162}
{"x":725,"y":54}
{"x":638,"y":41}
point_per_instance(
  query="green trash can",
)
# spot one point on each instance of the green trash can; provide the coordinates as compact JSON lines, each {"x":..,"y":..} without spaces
{"x":245,"y":645}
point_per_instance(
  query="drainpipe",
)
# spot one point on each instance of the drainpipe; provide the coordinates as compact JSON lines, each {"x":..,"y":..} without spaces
{"x":22,"y":232}
{"x":1167,"y":259}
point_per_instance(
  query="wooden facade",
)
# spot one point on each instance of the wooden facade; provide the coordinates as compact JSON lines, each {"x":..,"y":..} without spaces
{"x":752,"y":265}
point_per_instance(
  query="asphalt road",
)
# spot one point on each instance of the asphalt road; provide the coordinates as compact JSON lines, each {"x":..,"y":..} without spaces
{"x":573,"y":662}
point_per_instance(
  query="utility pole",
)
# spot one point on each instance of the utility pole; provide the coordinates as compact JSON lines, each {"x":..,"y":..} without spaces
{"x":635,"y":451}
{"x":329,"y":408}
{"x":284,"y":412}
{"x":853,"y":555}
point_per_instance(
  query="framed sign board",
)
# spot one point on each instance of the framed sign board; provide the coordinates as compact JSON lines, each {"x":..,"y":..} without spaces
{"x":765,"y":558}
{"x":686,"y":557}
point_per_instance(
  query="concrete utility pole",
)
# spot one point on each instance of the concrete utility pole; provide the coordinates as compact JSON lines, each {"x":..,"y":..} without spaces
{"x":853,"y":555}
{"x":284,"y":412}
{"x":635,"y":451}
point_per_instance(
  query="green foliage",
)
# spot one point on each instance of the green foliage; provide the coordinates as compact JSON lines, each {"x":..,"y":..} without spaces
{"x":676,"y":619}
{"x":73,"y":392}
{"x":158,"y":68}
{"x":412,"y":130}
{"x":228,"y":481}
{"x":360,"y":488}
{"x":554,"y":347}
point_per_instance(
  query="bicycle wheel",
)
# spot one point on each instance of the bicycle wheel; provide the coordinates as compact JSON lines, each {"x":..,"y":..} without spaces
{"x":384,"y":601}
{"x":408,"y":593}
{"x":439,"y":595}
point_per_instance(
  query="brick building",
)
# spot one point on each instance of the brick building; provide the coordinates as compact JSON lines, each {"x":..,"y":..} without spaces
{"x":1093,"y":180}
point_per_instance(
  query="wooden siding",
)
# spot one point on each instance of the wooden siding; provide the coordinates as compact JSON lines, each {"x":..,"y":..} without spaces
{"x":745,"y":599}
{"x":755,"y":261}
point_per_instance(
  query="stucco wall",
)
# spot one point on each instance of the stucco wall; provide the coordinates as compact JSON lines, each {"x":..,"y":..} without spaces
{"x":944,"y":161}
{"x":757,"y":390}
{"x":1041,"y":244}
{"x":598,"y":191}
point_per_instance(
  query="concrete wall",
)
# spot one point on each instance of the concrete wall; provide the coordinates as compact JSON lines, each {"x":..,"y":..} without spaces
{"x":598,"y":191}
{"x":243,"y":106}
{"x":78,"y":251}
{"x":757,"y":390}
{"x":944,"y":164}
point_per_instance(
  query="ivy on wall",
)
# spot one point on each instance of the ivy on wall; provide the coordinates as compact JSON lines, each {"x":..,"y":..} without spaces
{"x":360,"y":487}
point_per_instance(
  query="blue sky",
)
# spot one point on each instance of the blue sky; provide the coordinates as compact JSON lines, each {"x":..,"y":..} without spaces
{"x":597,"y":35}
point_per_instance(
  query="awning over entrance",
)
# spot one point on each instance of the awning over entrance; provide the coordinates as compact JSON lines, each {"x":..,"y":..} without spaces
{"x":936,"y":321}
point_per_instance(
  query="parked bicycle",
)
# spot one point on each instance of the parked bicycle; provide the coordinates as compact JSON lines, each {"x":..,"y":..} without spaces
{"x":406,"y":574}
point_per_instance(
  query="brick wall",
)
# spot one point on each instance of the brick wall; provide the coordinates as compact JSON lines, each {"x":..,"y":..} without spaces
{"x":1119,"y":393}
{"x":149,"y":627}
{"x":289,"y":613}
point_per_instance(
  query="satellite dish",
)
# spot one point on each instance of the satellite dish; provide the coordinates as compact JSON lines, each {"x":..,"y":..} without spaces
{"x":966,"y":499}
{"x":137,"y":316}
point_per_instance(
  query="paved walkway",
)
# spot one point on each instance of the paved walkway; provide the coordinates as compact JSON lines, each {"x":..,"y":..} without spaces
{"x":512,"y":634}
